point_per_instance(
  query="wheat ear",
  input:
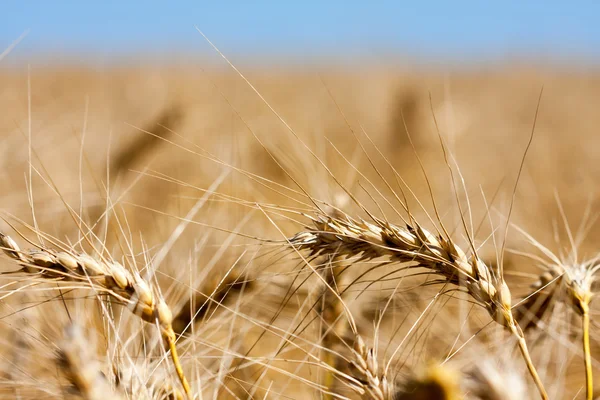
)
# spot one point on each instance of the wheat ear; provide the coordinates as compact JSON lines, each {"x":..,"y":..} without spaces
{"x":580,"y":295}
{"x":103,"y":276}
{"x":413,"y":244}
{"x":80,"y":368}
{"x":366,"y":372}
{"x":589,"y":378}
{"x":577,"y":280}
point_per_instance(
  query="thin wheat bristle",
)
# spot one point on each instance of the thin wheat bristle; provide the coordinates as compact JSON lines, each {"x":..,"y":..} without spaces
{"x":534,"y":306}
{"x":213,"y":291}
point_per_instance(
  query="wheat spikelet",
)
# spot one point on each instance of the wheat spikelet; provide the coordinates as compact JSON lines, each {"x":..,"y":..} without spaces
{"x":108,"y":277}
{"x":413,"y":244}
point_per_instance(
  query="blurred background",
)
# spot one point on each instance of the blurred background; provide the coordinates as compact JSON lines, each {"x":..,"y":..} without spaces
{"x":108,"y":93}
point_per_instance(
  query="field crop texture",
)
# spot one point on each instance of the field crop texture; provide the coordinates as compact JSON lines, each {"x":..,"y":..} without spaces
{"x":252,"y":233}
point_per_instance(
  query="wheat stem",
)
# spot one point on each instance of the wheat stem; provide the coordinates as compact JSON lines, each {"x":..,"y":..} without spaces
{"x":169,"y":336}
{"x":589,"y":379}
{"x":527,"y":357}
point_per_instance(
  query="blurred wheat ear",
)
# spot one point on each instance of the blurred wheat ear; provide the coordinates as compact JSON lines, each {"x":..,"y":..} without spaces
{"x":576,"y":281}
{"x":77,"y":361}
{"x":436,"y":382}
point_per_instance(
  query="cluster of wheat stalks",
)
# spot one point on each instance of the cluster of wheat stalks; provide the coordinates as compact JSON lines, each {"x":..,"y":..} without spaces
{"x":254,"y":333}
{"x":332,"y":245}
{"x":287,"y":318}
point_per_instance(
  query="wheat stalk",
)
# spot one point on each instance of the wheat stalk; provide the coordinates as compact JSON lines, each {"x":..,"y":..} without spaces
{"x":212,"y":291}
{"x":413,"y":244}
{"x":104,"y":276}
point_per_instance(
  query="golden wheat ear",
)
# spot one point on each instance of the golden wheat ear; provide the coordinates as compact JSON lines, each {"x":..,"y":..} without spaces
{"x":362,"y":240}
{"x":436,"y":382}
{"x":102,"y":276}
{"x":576,"y":280}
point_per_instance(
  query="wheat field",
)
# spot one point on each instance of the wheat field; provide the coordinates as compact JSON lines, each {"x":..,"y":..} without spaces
{"x":377,"y":232}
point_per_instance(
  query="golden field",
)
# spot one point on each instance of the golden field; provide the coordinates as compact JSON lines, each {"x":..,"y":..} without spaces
{"x":122,"y":155}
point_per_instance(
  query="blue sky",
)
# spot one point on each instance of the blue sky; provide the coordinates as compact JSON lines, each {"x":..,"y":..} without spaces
{"x":451,"y":29}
